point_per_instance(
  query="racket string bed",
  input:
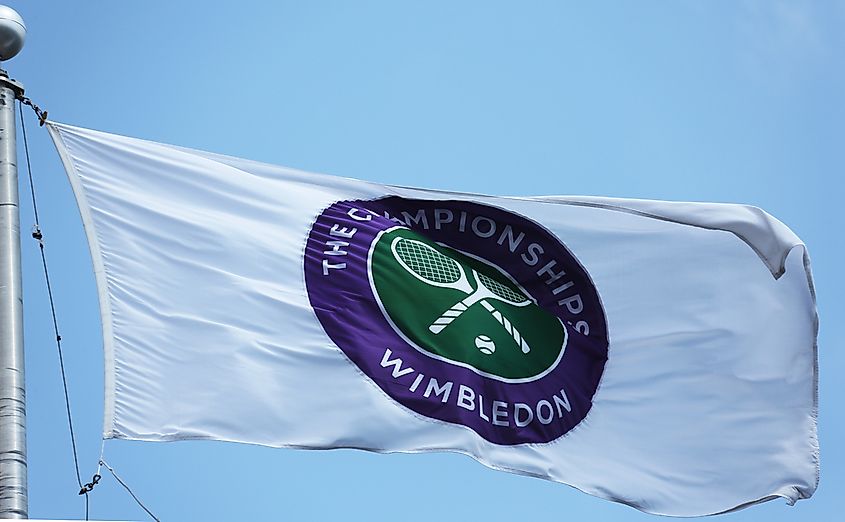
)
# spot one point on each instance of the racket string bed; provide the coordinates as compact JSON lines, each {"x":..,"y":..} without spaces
{"x":501,"y":290}
{"x":427,"y":262}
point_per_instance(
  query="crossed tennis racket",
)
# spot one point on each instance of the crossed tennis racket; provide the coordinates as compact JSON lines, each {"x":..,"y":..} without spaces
{"x":434,"y":268}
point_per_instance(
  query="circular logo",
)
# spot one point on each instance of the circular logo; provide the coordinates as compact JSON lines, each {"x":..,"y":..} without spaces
{"x":461,"y":312}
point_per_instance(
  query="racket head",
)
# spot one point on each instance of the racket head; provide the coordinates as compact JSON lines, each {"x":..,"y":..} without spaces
{"x":502,"y":291}
{"x":428,"y":264}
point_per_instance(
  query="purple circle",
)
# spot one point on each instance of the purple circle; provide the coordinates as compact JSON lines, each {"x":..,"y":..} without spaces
{"x":338,"y":286}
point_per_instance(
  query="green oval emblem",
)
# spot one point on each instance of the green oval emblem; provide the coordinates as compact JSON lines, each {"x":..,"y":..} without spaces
{"x":461,"y":309}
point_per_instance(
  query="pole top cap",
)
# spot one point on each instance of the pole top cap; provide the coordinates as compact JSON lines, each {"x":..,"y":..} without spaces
{"x":12,"y":33}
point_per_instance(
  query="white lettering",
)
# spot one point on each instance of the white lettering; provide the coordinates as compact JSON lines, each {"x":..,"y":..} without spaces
{"x":466,"y":397}
{"x":337,"y":248}
{"x":500,"y":412}
{"x":520,"y":407}
{"x":564,"y":286}
{"x":394,"y":219}
{"x":339,"y":231}
{"x":398,"y":371}
{"x":419,"y":218}
{"x":574,"y":304}
{"x":491,"y":226}
{"x":462,"y":225}
{"x":562,"y":403}
{"x":548,"y":406}
{"x":481,"y":408}
{"x":434,"y":386}
{"x":582,"y":327}
{"x":532,"y":254}
{"x":547,"y":270}
{"x":507,"y":233}
{"x":353,"y":213}
{"x":328,"y":266}
{"x":416,"y":383}
{"x":442,"y":216}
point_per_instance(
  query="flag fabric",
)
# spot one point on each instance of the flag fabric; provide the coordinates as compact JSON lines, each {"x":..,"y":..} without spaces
{"x":658,"y":354}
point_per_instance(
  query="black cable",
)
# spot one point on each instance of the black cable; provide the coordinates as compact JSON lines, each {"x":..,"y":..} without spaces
{"x":127,"y":488}
{"x":38,"y":236}
{"x":29,"y":168}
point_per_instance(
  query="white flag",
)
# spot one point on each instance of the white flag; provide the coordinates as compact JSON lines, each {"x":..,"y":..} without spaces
{"x":658,"y":354}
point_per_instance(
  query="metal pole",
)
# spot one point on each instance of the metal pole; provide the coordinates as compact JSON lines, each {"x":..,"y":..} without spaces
{"x":13,"y":487}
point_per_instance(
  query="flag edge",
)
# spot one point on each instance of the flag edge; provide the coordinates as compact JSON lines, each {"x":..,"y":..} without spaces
{"x":89,"y":227}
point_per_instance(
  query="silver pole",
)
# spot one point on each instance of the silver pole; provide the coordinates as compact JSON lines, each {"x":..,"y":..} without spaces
{"x":13,"y":486}
{"x":13,"y":497}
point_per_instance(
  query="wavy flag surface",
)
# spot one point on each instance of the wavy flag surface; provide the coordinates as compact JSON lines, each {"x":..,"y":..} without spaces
{"x":658,"y":354}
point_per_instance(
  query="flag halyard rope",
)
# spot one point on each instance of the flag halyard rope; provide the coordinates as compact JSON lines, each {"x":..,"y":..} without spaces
{"x":38,"y":235}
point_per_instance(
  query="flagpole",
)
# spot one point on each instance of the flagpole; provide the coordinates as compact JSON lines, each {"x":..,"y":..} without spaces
{"x":13,"y":485}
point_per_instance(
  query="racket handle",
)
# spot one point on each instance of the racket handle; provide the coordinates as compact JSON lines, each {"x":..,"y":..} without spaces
{"x":511,"y":329}
{"x":447,"y":317}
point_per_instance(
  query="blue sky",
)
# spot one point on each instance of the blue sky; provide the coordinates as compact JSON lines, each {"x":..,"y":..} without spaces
{"x":729,"y":101}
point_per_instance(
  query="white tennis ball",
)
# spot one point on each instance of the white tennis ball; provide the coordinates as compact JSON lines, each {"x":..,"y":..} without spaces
{"x":485,"y":344}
